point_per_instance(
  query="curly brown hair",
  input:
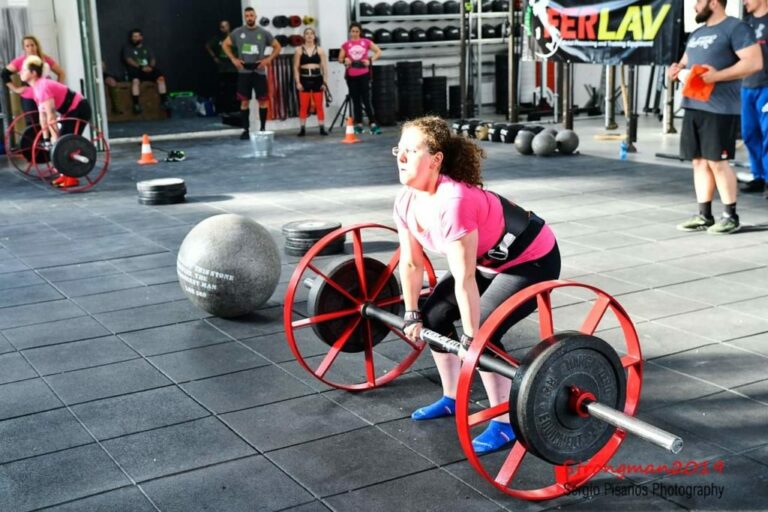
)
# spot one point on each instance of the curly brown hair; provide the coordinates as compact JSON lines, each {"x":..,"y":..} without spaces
{"x":461,"y":156}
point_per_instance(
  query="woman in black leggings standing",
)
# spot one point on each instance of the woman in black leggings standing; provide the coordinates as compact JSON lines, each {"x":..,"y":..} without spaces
{"x":354,"y":56}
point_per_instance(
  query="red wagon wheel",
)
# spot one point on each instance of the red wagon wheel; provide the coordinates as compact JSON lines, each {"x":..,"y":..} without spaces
{"x":338,"y":291}
{"x":62,"y":158}
{"x":19,"y":139}
{"x":502,"y":469}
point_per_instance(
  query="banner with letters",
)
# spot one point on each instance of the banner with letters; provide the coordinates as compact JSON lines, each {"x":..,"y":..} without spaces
{"x":603,"y":32}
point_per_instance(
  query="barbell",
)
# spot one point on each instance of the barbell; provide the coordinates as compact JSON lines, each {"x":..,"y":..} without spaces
{"x":573,"y":397}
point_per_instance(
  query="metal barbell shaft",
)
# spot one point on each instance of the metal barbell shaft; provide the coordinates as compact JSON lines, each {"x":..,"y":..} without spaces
{"x":635,"y":426}
{"x":80,"y":158}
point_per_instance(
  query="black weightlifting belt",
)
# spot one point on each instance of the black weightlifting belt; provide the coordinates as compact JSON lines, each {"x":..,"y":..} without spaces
{"x":309,"y":72}
{"x":251,"y":66}
{"x":66,"y":105}
{"x":521,"y":228}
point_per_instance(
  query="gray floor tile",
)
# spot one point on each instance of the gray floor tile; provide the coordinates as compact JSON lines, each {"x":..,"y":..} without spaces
{"x":11,"y":264}
{"x":275,"y":346}
{"x":171,"y":338}
{"x":757,"y":391}
{"x":19,"y":279}
{"x":264,"y":321}
{"x":134,"y":297}
{"x":754,"y":307}
{"x":160,"y":275}
{"x":29,"y":314}
{"x":431,"y":490}
{"x":755,"y":277}
{"x":654,"y":304}
{"x":136,"y":412}
{"x":658,"y":340}
{"x":725,"y":419}
{"x":437,"y":440}
{"x":5,"y":347}
{"x":177,"y":448}
{"x":714,"y":264}
{"x":59,"y":477}
{"x":663,"y":387}
{"x":348,"y":461}
{"x":105,"y":381}
{"x":314,"y":506}
{"x":246,"y":389}
{"x":100,"y":284}
{"x":715,"y":291}
{"x":51,"y":333}
{"x":757,"y":343}
{"x":13,"y":367}
{"x":622,"y":495}
{"x":717,"y":323}
{"x":760,"y":455}
{"x":199,"y":363}
{"x":125,"y":499}
{"x":249,"y":484}
{"x":76,"y":355}
{"x":719,"y":364}
{"x":79,"y":271}
{"x":311,"y":417}
{"x":146,"y":262}
{"x":146,"y":317}
{"x":26,"y":397}
{"x":41,"y":433}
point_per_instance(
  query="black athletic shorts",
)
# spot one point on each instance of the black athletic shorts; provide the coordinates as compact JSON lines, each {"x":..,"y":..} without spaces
{"x":252,"y":81}
{"x":134,"y":73}
{"x":312,"y":83}
{"x":708,"y":136}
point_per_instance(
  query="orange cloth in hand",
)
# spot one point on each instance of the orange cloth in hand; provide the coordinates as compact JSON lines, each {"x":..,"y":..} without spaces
{"x":695,"y":88}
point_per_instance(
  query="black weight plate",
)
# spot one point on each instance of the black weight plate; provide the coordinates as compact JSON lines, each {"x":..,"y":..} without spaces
{"x":533,"y":128}
{"x":323,"y":298}
{"x":66,"y":148}
{"x":175,"y":200}
{"x":540,"y":398}
{"x":162,"y":195}
{"x":160,"y":184}
{"x":312,"y":229}
{"x":327,"y":251}
{"x":302,"y":243}
{"x":25,"y":146}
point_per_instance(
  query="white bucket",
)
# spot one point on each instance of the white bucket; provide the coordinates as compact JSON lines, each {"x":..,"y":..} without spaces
{"x":262,"y":143}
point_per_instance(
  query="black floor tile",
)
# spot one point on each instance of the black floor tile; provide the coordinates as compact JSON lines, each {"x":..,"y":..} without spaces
{"x":11,"y":264}
{"x":76,"y":355}
{"x":306,"y":418}
{"x":243,"y":485}
{"x":178,"y":448}
{"x":13,"y":367}
{"x":663,"y":387}
{"x":29,"y":295}
{"x":625,"y":495}
{"x":106,"y":381}
{"x":18,"y":316}
{"x":431,"y":490}
{"x":314,"y":506}
{"x":152,"y":276}
{"x":59,"y":477}
{"x":246,"y":389}
{"x":145,"y":410}
{"x":26,"y":397}
{"x":199,"y":363}
{"x":19,"y":279}
{"x":725,"y":419}
{"x":264,"y":321}
{"x":5,"y":347}
{"x":126,"y":499}
{"x":275,"y":346}
{"x":437,"y":440}
{"x":348,"y":461}
{"x":760,"y":455}
{"x":79,"y":271}
{"x":171,"y":338}
{"x":134,"y":297}
{"x":756,"y":391}
{"x":719,"y":364}
{"x":146,"y":317}
{"x":51,"y":333}
{"x":38,"y":434}
{"x":146,"y":262}
{"x":97,"y":285}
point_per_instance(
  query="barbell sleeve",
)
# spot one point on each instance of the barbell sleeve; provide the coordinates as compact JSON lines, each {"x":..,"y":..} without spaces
{"x":635,"y":426}
{"x":435,"y":339}
{"x":80,"y":158}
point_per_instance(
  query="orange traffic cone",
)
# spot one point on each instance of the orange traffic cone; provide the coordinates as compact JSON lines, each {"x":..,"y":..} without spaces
{"x":350,"y":137}
{"x":147,"y":157}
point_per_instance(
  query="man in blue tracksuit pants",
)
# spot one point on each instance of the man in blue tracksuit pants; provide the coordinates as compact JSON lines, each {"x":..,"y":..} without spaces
{"x":754,"y":101}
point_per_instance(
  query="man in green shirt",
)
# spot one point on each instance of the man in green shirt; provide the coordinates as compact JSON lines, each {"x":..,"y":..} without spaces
{"x":140,"y":66}
{"x":226,"y":87}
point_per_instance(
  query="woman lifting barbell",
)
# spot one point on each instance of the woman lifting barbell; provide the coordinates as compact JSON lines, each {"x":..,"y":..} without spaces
{"x":494,"y":249}
{"x":52,"y":97}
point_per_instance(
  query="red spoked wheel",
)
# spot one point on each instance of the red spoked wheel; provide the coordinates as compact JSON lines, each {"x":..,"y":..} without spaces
{"x":19,"y":140}
{"x":344,"y":358}
{"x":510,"y":471}
{"x":50,"y":163}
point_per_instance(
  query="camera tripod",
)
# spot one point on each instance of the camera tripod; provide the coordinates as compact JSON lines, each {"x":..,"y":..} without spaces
{"x":341,"y":116}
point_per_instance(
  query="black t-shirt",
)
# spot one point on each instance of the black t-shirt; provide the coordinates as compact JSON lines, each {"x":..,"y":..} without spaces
{"x":141,"y":54}
{"x":216,"y":44}
{"x":760,"y":26}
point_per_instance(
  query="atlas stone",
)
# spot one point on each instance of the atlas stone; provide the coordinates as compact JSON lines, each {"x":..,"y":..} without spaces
{"x":567,"y":142}
{"x":523,"y":141}
{"x":543,"y":144}
{"x":228,"y":265}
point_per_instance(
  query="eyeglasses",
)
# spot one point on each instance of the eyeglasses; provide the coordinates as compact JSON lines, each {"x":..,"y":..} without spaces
{"x":408,"y":152}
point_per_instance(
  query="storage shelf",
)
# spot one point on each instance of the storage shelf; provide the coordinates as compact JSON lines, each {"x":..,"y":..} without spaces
{"x":496,"y":40}
{"x":431,"y":17}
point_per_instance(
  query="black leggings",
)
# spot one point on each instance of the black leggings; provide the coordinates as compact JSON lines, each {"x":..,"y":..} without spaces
{"x":82,"y":112}
{"x":441,"y":310}
{"x":360,"y":93}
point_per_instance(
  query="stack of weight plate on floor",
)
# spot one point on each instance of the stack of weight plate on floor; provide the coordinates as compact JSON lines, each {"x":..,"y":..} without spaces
{"x":436,"y":95}
{"x":301,"y":235}
{"x":384,"y":94}
{"x":161,"y":191}
{"x":409,"y":93}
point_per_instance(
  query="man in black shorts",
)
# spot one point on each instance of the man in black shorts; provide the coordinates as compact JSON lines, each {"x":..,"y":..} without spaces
{"x":226,"y":87}
{"x":256,"y":49}
{"x":727,"y":47}
{"x":140,"y":66}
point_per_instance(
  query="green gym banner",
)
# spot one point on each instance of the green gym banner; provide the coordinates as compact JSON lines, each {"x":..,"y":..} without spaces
{"x":603,"y":32}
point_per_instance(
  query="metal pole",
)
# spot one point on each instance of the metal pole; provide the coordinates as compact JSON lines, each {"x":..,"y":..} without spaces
{"x":610,"y":98}
{"x":650,"y":433}
{"x":559,"y":92}
{"x":669,"y":105}
{"x":463,"y":61}
{"x":512,"y":111}
{"x":568,"y":96}
{"x":631,"y":116}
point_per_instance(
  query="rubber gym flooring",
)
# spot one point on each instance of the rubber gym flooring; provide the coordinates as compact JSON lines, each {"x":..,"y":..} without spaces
{"x":117,"y":394}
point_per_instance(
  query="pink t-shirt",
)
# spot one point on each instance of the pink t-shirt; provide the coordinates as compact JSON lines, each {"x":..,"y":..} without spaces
{"x":45,"y":88}
{"x":357,"y":51}
{"x":18,"y":62}
{"x":463,"y":209}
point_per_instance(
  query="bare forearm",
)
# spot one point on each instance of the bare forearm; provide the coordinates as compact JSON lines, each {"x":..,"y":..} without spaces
{"x":412,"y":277}
{"x":468,"y":299}
{"x":741,"y":69}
